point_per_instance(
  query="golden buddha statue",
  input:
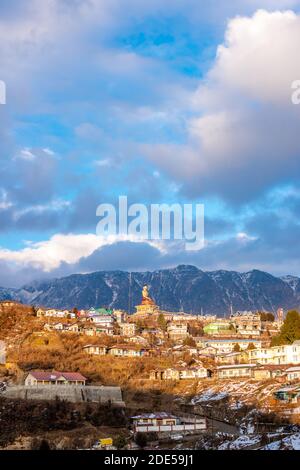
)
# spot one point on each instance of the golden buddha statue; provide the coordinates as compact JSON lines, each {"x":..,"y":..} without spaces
{"x":146,"y":299}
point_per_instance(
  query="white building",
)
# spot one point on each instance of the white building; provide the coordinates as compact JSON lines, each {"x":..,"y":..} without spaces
{"x":286,"y":354}
{"x":177,"y":330}
{"x":59,"y":313}
{"x":98,"y":350}
{"x":293,"y":373}
{"x":223,"y":345}
{"x":102,"y":320}
{"x":128,"y":329}
{"x":166,"y":422}
{"x":237,"y":371}
{"x":40,"y":378}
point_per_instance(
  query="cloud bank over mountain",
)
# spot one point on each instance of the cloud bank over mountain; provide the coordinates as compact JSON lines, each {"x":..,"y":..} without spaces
{"x":166,"y":102}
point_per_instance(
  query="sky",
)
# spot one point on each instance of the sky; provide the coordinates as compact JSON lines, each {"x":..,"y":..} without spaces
{"x":163,"y":101}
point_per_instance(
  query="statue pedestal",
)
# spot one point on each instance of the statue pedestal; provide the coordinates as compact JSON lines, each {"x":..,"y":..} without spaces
{"x":146,"y":310}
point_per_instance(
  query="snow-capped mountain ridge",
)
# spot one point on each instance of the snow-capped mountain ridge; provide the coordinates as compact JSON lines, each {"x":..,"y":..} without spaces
{"x":184,"y":288}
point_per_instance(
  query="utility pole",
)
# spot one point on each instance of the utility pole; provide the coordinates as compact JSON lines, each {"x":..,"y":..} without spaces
{"x":129,"y":294}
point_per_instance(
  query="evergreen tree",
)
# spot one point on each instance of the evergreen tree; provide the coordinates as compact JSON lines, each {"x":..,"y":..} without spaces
{"x":161,"y":321}
{"x":290,"y":330}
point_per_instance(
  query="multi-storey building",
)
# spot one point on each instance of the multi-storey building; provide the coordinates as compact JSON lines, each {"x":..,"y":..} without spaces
{"x":247,"y":323}
{"x":286,"y":354}
{"x":177,"y":331}
{"x":227,"y":345}
{"x":128,"y":329}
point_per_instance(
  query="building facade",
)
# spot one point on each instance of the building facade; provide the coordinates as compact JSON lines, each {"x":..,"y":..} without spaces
{"x":38,"y":378}
{"x":286,"y":354}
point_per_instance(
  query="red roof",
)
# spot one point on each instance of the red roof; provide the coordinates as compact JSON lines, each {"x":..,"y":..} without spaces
{"x":53,"y":376}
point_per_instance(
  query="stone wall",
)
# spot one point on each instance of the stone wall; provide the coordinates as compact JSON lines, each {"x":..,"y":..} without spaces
{"x":100,"y":394}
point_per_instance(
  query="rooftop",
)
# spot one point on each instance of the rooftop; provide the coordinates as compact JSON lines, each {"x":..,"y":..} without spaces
{"x":236,"y":366}
{"x":160,"y":415}
{"x":293,"y":369}
{"x":233,"y":339}
{"x":55,"y":375}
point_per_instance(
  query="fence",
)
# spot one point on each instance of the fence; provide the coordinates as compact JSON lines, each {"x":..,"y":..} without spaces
{"x":200,"y":426}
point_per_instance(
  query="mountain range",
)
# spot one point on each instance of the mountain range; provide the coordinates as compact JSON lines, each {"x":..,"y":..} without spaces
{"x":184,"y":288}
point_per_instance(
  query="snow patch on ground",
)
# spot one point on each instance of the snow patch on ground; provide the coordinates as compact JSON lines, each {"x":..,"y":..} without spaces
{"x":240,"y":443}
{"x":288,"y":443}
{"x":208,"y":395}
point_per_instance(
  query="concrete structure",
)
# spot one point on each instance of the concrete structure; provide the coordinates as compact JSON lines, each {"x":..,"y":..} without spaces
{"x":98,"y":350}
{"x":247,"y":323}
{"x":207,"y":351}
{"x":168,"y":423}
{"x":128,"y":350}
{"x":128,"y":329}
{"x":40,"y":312}
{"x":179,"y":316}
{"x":230,"y":358}
{"x":99,"y":311}
{"x":177,"y":331}
{"x":180,"y":349}
{"x":288,"y":394}
{"x":101,"y":320}
{"x":268,"y":372}
{"x":227,"y":345}
{"x":136,"y":340}
{"x":59,"y":313}
{"x":120,"y":315}
{"x":286,"y":354}
{"x":180,"y":373}
{"x":97,"y":330}
{"x":235,"y":371}
{"x":293,"y":373}
{"x":73,"y":394}
{"x":65,"y":327}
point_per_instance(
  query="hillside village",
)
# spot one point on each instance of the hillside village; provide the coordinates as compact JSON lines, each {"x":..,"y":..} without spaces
{"x":164,"y":373}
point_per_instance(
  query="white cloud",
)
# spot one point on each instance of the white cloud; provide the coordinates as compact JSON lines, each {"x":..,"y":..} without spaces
{"x":5,"y":203}
{"x":243,"y":138}
{"x":55,"y":205}
{"x":49,"y":254}
{"x":105,"y":162}
{"x":26,"y":154}
{"x":260,"y":56}
{"x":244,"y":237}
{"x":30,"y":155}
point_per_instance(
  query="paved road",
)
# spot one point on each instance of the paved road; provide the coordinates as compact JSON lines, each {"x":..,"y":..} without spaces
{"x":219,"y":426}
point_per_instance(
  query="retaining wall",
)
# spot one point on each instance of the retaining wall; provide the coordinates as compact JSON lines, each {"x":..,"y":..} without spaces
{"x":70,"y":393}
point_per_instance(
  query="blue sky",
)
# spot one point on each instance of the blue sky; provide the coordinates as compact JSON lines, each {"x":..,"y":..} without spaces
{"x":163,"y":101}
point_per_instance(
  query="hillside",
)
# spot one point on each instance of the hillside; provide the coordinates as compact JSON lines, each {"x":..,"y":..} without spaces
{"x":184,"y":288}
